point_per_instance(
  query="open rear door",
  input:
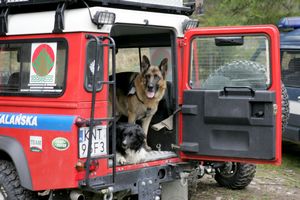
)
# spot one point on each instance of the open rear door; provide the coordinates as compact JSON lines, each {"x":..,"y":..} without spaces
{"x":231,"y":107}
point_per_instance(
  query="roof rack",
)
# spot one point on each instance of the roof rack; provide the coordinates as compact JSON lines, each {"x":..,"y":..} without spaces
{"x":167,"y":6}
{"x":24,"y":6}
{"x":17,"y":3}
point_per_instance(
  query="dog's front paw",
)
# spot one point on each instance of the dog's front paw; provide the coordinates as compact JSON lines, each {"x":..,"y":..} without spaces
{"x":147,"y":148}
{"x":121,"y":160}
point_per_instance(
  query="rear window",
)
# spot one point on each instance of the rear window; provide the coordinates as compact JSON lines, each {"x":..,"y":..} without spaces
{"x":290,"y":67}
{"x":32,"y":67}
{"x":230,"y":61}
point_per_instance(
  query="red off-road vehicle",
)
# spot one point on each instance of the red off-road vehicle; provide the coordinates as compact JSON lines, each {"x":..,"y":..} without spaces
{"x":223,"y":99}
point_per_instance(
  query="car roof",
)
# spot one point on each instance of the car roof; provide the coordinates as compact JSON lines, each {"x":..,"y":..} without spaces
{"x":78,"y":20}
{"x":290,"y":40}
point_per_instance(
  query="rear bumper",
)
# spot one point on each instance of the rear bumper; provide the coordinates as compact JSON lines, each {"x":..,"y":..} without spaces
{"x":142,"y":181}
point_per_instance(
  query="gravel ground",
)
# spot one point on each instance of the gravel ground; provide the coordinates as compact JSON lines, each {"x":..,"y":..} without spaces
{"x":270,"y":182}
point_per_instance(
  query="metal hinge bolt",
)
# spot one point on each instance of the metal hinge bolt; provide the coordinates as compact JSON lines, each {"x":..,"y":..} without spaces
{"x":174,"y":146}
{"x":275,"y":109}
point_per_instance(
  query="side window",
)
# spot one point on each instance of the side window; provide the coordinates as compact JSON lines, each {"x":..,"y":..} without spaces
{"x":90,"y":67}
{"x":10,"y":69}
{"x":230,"y":61}
{"x":29,"y":67}
{"x":290,"y":68}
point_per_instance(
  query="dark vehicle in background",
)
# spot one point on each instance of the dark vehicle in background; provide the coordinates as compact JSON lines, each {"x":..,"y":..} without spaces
{"x":290,"y":73}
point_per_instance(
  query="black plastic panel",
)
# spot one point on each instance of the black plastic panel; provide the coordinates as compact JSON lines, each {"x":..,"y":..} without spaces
{"x":229,"y":125}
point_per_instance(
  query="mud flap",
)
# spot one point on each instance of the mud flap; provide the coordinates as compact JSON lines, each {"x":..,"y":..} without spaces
{"x":175,"y":190}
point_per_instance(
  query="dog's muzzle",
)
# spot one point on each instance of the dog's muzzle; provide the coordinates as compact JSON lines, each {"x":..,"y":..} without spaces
{"x":124,"y":144}
{"x":150,"y":91}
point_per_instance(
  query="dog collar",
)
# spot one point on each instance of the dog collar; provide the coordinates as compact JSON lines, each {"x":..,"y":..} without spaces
{"x":132,"y":91}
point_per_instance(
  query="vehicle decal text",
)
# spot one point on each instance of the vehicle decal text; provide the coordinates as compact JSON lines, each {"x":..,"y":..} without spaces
{"x":21,"y":120}
{"x":37,"y":121}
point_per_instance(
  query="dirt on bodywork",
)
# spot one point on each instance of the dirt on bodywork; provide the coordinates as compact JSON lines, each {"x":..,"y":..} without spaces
{"x":270,"y":182}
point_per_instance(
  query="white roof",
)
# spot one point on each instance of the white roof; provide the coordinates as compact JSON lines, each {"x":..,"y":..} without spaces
{"x":175,"y":3}
{"x":78,"y":20}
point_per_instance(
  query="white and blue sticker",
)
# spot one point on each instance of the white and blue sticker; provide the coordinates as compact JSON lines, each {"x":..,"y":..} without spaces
{"x":37,"y":121}
{"x":36,"y":143}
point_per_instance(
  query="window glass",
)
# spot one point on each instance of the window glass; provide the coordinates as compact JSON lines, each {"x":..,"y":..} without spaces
{"x":230,"y":61}
{"x":128,"y":59}
{"x":290,"y":64}
{"x":32,"y":67}
{"x":90,"y":67}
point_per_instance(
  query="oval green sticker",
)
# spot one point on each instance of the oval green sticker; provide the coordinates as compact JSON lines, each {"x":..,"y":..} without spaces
{"x":60,"y":144}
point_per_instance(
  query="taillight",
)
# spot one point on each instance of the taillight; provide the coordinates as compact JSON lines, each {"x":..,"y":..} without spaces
{"x":81,"y":165}
{"x":94,"y":165}
{"x":80,"y":122}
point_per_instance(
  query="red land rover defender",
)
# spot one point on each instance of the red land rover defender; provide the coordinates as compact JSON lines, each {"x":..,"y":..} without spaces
{"x":224,"y":99}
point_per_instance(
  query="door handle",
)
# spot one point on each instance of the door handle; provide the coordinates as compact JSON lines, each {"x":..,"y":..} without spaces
{"x":259,"y":113}
{"x":238,"y":89}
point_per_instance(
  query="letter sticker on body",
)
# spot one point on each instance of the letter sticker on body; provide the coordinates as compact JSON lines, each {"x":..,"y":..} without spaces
{"x":37,"y":121}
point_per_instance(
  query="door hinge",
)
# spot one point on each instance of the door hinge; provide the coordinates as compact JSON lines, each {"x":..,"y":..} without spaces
{"x":182,"y":43}
{"x":275,"y":109}
{"x":174,"y":146}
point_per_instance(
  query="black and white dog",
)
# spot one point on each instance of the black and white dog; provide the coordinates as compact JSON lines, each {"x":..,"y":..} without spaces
{"x":130,"y":144}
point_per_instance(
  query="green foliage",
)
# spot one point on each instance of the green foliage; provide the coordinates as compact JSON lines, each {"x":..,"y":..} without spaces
{"x":247,"y":12}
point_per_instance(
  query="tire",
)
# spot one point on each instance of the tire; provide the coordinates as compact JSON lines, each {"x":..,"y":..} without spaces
{"x":237,"y":73}
{"x":238,"y":177}
{"x":10,"y":187}
{"x":285,"y":109}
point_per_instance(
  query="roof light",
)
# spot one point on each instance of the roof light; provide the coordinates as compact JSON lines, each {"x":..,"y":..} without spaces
{"x":101,"y":18}
{"x":289,"y":22}
{"x":188,"y":24}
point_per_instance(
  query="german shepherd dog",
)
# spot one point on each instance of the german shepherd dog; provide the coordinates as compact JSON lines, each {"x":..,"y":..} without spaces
{"x":138,"y":94}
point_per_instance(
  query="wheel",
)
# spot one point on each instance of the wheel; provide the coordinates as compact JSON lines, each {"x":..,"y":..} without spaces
{"x":10,"y":187}
{"x":237,"y":73}
{"x":235,"y":175}
{"x":285,"y":110}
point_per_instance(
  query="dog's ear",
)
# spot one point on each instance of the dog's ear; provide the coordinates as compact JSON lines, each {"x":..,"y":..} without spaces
{"x":163,"y":66}
{"x":145,"y":63}
{"x":119,"y":134}
{"x":139,"y":138}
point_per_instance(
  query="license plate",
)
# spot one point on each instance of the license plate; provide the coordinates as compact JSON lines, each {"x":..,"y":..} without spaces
{"x":99,"y":142}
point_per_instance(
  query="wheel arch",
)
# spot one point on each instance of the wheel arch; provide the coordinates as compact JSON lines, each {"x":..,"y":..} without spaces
{"x":12,"y":150}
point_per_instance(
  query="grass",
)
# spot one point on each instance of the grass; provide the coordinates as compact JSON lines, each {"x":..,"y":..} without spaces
{"x":289,"y":169}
